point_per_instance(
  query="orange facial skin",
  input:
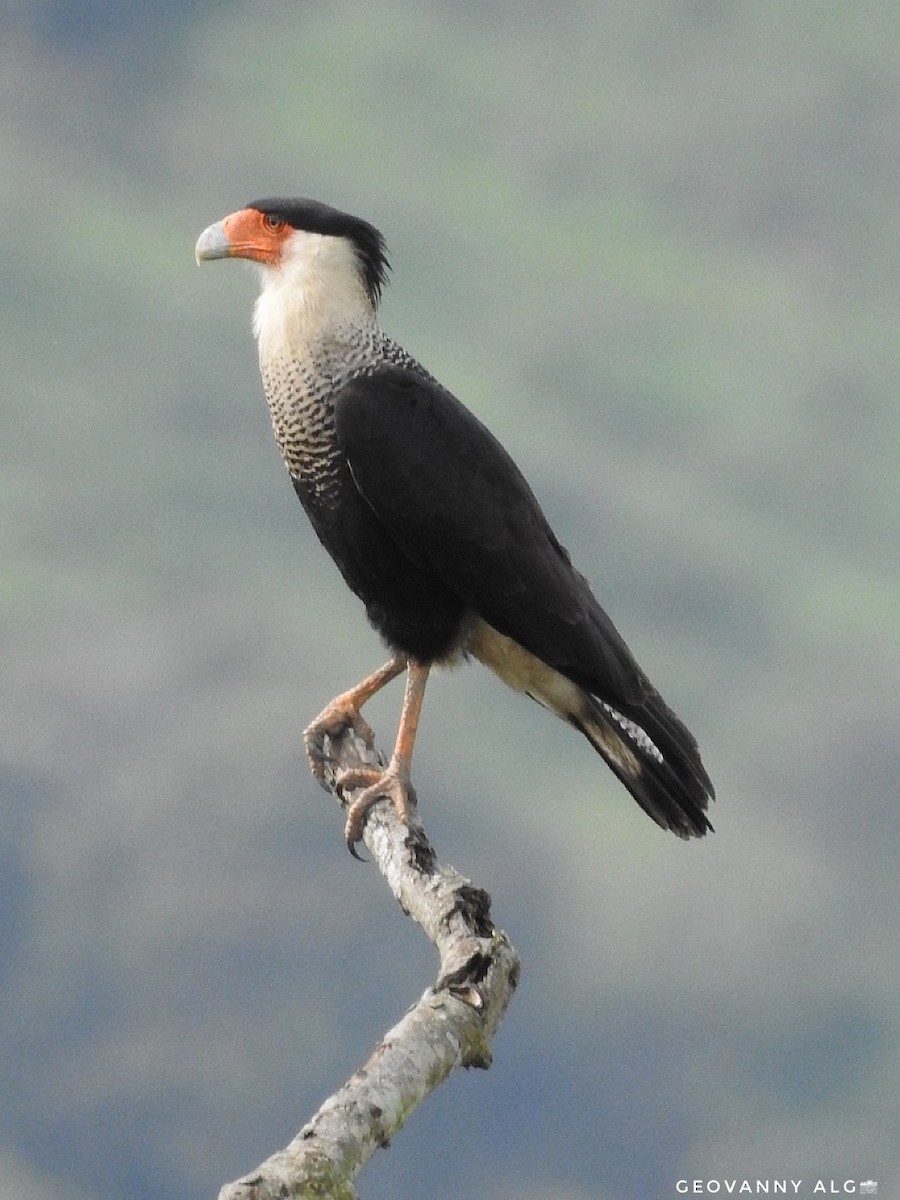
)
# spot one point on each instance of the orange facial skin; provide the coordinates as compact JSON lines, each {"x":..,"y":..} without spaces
{"x":249,"y":234}
{"x":257,"y":236}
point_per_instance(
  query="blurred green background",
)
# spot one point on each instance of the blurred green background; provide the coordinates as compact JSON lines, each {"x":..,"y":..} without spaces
{"x":656,"y":247}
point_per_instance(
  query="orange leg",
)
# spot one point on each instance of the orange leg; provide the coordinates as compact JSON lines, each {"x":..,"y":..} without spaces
{"x":393,"y":783}
{"x":343,"y":713}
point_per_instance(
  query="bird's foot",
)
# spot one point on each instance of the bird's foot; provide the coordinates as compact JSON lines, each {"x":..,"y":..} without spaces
{"x":336,"y":717}
{"x":343,"y":713}
{"x":340,"y":714}
{"x":390,"y":784}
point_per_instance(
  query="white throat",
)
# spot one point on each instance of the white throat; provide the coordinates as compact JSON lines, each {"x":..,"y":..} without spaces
{"x":317,"y":287}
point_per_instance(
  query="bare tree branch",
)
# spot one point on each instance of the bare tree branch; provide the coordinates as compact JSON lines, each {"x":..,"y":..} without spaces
{"x":451,"y":1025}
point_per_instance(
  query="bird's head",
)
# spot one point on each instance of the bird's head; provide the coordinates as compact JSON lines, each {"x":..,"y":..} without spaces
{"x":321,"y":249}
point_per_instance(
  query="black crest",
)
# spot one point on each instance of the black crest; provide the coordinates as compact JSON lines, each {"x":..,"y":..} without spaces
{"x":320,"y":218}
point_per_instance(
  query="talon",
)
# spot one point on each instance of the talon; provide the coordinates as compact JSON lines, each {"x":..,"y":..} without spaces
{"x":314,"y":745}
{"x":351,"y":846}
{"x":390,"y":784}
{"x":343,"y":713}
{"x":331,"y":723}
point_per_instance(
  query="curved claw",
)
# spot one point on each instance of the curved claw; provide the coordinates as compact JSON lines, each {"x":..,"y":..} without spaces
{"x":331,"y":722}
{"x":343,"y":713}
{"x":351,"y":846}
{"x":390,"y":784}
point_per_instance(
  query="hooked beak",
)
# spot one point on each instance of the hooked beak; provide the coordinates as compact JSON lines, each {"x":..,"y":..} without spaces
{"x":213,"y":242}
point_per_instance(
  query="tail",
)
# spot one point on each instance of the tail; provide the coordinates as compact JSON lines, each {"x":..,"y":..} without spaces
{"x":647,"y":747}
{"x":655,"y":756}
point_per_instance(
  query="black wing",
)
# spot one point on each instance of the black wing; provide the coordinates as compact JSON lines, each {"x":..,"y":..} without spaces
{"x":454,"y":501}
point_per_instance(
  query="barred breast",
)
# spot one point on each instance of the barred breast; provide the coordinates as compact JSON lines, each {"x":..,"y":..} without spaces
{"x":301,"y":384}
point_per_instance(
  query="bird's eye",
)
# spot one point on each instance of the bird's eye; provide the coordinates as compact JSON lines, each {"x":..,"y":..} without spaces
{"x":272,"y":223}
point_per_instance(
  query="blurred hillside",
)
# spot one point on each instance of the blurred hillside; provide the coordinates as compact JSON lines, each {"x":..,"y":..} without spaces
{"x":655,"y":247}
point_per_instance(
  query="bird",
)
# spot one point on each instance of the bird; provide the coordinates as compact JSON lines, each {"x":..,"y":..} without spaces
{"x":431,"y":523}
